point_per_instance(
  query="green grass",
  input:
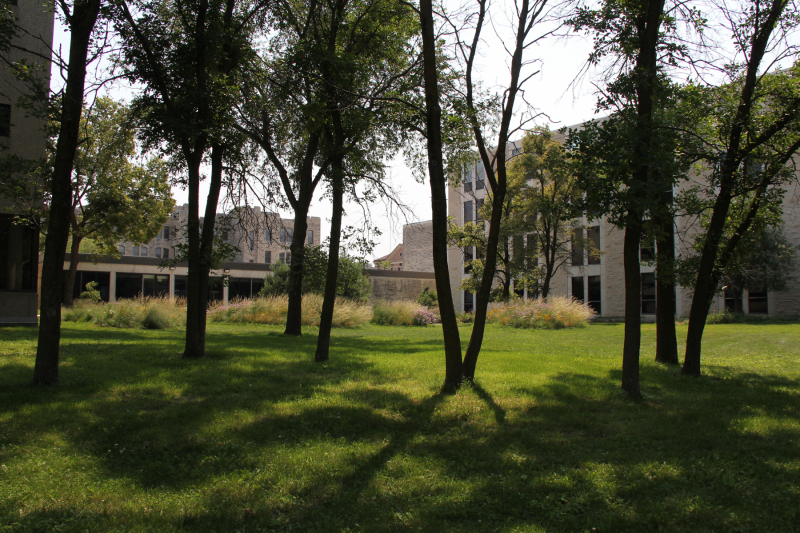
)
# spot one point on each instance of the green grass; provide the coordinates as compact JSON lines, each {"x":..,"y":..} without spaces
{"x":256,"y":437}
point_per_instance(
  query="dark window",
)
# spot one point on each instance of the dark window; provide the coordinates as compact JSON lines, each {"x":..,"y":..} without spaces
{"x":121,"y":249}
{"x":593,"y":236}
{"x":648,"y":248}
{"x":468,"y":211}
{"x":128,"y":285}
{"x":268,"y":258}
{"x":478,"y":207}
{"x":468,"y":180}
{"x":757,"y":302}
{"x":468,"y":256}
{"x":239,"y":288}
{"x":257,"y":284}
{"x":577,"y":251}
{"x":286,"y":236}
{"x":181,"y":284}
{"x":135,"y":251}
{"x":162,"y":253}
{"x":593,"y":293}
{"x":268,"y":235}
{"x":165,"y":232}
{"x":143,"y":251}
{"x":310,"y":237}
{"x":155,"y":285}
{"x":5,"y":120}
{"x":468,"y":302}
{"x":480,"y":176}
{"x":19,"y":255}
{"x":82,"y":277}
{"x":648,"y":294}
{"x":285,"y":257}
{"x":730,"y":300}
{"x":577,"y":288}
{"x":215,"y":289}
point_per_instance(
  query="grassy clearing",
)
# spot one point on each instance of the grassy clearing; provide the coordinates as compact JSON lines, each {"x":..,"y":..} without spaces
{"x":256,"y":437}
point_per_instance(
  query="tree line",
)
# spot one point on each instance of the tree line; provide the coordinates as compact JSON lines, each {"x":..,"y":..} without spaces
{"x":312,"y":96}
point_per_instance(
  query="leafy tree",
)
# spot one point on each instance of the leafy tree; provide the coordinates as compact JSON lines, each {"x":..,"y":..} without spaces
{"x":81,"y":18}
{"x":190,"y":58}
{"x":114,"y":198}
{"x":428,"y":298}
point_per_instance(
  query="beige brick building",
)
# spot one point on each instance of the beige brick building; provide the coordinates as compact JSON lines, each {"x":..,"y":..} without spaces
{"x":600,"y":282}
{"x":23,"y":136}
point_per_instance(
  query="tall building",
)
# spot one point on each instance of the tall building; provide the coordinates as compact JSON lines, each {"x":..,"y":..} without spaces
{"x":22,"y":136}
{"x":599,"y":281}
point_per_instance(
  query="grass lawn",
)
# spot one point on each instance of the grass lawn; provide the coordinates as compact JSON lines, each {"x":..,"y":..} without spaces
{"x":257,"y":437}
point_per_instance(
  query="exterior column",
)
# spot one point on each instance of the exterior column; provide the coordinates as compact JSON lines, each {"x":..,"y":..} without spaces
{"x":112,"y":286}
{"x":172,"y":284}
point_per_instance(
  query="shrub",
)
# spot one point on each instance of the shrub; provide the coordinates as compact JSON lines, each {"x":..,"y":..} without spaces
{"x":465,"y":317}
{"x":428,"y":298}
{"x":92,"y":293}
{"x":555,"y":313}
{"x":273,"y":310}
{"x":143,"y":313}
{"x":424,"y":317}
{"x":400,"y":313}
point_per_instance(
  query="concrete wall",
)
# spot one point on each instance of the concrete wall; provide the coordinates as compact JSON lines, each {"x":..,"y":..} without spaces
{"x":418,"y":247}
{"x":393,"y":285}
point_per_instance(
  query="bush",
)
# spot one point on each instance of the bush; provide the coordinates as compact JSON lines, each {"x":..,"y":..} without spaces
{"x":465,"y":317}
{"x":424,"y":317}
{"x":400,"y":313}
{"x":140,"y":313}
{"x":428,"y":298}
{"x":273,"y":310}
{"x":555,"y":313}
{"x":92,"y":293}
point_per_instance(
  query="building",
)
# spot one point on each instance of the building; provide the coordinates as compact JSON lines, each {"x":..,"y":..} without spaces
{"x":22,"y":136}
{"x":391,"y":261}
{"x":262,"y":239}
{"x":600,"y":281}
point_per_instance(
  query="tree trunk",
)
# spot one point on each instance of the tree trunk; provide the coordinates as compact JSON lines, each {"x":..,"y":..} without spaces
{"x":548,"y":275}
{"x":294,"y":314}
{"x":81,"y":22}
{"x":666,"y":339}
{"x":194,"y":345}
{"x":69,"y":281}
{"x":332,"y":275}
{"x":438,"y":181}
{"x":633,"y":297}
{"x":738,"y":304}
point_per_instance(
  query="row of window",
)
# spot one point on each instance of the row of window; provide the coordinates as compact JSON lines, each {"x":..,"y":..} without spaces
{"x":141,"y":251}
{"x":285,"y":237}
{"x":579,"y":249}
{"x":468,"y":210}
{"x":480,"y":175}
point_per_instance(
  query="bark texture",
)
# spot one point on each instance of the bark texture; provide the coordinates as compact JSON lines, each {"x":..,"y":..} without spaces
{"x":81,"y":22}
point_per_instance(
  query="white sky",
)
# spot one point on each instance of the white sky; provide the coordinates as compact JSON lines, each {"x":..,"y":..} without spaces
{"x":549,"y":92}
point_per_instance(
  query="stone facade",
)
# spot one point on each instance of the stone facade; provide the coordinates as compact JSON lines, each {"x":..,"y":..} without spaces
{"x":392,"y":285}
{"x":418,"y":246}
{"x":23,"y":136}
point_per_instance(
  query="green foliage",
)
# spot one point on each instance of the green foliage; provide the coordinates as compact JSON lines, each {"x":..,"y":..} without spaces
{"x":137,"y":313}
{"x":352,"y":283}
{"x":428,"y":298}
{"x":398,"y":313}
{"x":92,"y":293}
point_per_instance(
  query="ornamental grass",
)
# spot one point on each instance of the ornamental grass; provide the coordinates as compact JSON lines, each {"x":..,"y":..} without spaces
{"x":137,"y":313}
{"x":273,"y":310}
{"x":555,"y":313}
{"x":398,"y":313}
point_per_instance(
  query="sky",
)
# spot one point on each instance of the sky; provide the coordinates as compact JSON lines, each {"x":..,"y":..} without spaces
{"x":551,"y":91}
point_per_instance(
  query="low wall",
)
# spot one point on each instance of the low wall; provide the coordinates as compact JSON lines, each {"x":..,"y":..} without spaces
{"x":393,"y":285}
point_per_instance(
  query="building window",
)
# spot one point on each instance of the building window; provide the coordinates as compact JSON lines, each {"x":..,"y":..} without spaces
{"x":468,"y":302}
{"x":310,"y":237}
{"x":577,"y":250}
{"x":252,"y":241}
{"x":480,"y":176}
{"x":757,"y":302}
{"x":268,"y":258}
{"x":467,"y":211}
{"x":286,"y":236}
{"x":593,"y":236}
{"x":731,"y":301}
{"x":468,"y":256}
{"x":468,"y":180}
{"x":647,"y":248}
{"x":478,"y":207}
{"x":5,"y":120}
{"x":162,"y":253}
{"x":165,"y":233}
{"x":121,"y":249}
{"x":143,"y":251}
{"x":648,"y":294}
{"x":577,"y":288}
{"x":135,"y":251}
{"x":19,"y":255}
{"x":593,"y":293}
{"x":268,"y":235}
{"x":285,"y":257}
{"x":516,"y":151}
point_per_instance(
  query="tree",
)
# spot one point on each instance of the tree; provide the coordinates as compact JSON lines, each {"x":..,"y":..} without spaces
{"x":746,"y":137}
{"x":113,"y":198}
{"x":548,"y":207}
{"x":81,"y":18}
{"x":189,"y":58}
{"x":630,"y":146}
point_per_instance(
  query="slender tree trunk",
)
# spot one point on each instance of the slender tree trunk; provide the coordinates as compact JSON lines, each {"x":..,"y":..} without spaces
{"x":194,"y":346}
{"x":294,"y":315}
{"x":81,"y":21}
{"x":332,"y":275}
{"x":69,"y":282}
{"x":546,"y":283}
{"x":633,"y":297}
{"x":666,"y":339}
{"x":433,"y":122}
